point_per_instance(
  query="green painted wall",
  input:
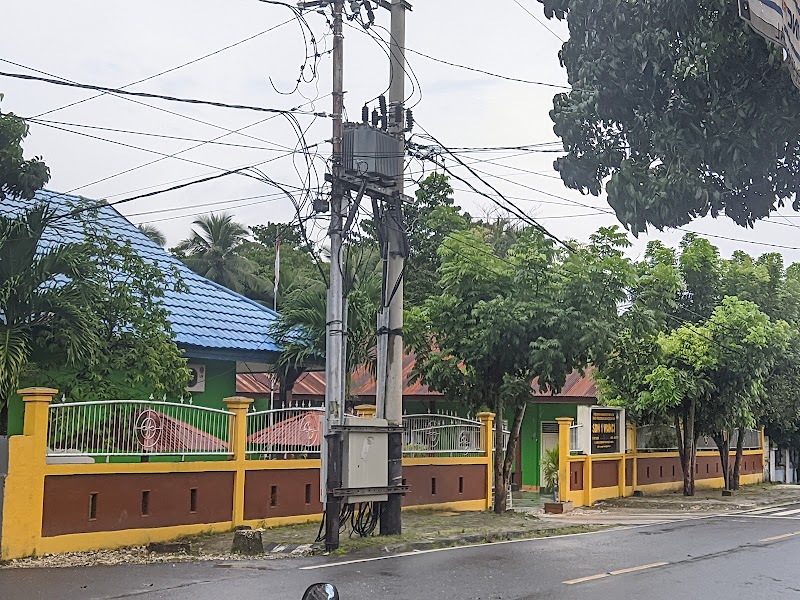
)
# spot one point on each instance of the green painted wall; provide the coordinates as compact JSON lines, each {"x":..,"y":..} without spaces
{"x":530,"y":436}
{"x":15,"y":415}
{"x":220,"y":383}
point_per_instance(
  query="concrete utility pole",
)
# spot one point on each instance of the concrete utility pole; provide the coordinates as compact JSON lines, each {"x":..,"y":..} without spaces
{"x":334,"y":354}
{"x":391,"y":519}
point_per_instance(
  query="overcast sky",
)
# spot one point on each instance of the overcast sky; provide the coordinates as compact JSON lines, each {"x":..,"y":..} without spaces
{"x":114,"y":44}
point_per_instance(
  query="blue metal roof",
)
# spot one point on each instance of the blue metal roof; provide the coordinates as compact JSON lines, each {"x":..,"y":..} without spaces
{"x":209,"y":320}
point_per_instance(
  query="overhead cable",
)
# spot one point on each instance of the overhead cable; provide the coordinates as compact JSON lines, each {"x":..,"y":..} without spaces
{"x":120,"y":91}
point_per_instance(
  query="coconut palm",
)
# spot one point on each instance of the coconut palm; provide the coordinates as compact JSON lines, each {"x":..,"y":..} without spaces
{"x":213,"y":252}
{"x":300,"y":329}
{"x":45,"y":292}
{"x":154,"y":233}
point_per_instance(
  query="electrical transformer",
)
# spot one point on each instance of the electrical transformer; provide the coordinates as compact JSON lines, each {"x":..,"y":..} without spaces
{"x":371,"y":152}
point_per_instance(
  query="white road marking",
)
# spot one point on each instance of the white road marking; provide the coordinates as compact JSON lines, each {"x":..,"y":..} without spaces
{"x":786,"y":513}
{"x":617,"y":572}
{"x":639,"y":568}
{"x":589,"y":578}
{"x":421,"y":552}
{"x":780,"y":537}
{"x":765,"y":517}
{"x":535,"y":539}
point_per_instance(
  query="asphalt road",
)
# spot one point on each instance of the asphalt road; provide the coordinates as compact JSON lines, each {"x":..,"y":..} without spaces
{"x":749,"y":556}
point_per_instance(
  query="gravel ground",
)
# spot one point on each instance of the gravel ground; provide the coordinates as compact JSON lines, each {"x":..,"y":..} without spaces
{"x":136,"y":555}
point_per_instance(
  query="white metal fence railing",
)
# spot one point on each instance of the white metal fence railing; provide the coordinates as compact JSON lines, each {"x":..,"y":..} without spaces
{"x":662,"y":438}
{"x":441,"y":435}
{"x":575,"y":438}
{"x":136,"y":428}
{"x":285,"y":433}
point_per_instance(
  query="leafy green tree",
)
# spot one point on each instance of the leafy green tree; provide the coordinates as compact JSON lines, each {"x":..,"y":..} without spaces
{"x":667,"y":112}
{"x":135,"y":352}
{"x":213,"y":251}
{"x":503,"y":319}
{"x":706,"y":378}
{"x":45,"y":297}
{"x":18,"y":176}
{"x":428,"y":220}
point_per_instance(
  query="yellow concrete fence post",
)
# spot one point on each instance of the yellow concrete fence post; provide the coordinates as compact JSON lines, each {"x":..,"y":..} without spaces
{"x":24,"y":489}
{"x":588,"y":497}
{"x":239,"y":406}
{"x":366,"y":411}
{"x":487,"y":437}
{"x":634,"y":452}
{"x":564,"y":424}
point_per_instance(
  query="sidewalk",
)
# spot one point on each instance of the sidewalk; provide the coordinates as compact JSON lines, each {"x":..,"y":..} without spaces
{"x":675,"y":506}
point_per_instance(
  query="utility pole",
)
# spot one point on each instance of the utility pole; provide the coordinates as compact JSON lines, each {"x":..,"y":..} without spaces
{"x":334,"y":354}
{"x":392,"y":314}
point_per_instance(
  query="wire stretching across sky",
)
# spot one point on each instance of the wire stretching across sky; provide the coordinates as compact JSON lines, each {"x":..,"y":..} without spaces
{"x":171,"y":69}
{"x":120,"y":91}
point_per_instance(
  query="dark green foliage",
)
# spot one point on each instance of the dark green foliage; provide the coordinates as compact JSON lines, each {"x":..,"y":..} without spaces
{"x":504,"y":318}
{"x":680,"y":107}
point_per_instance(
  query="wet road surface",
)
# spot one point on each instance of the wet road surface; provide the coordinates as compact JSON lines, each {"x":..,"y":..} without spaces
{"x":748,"y":555}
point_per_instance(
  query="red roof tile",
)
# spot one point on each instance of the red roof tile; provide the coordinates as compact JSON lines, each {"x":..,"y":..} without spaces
{"x":311,"y":385}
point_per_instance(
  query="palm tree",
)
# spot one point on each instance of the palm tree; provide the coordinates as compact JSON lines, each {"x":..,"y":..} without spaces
{"x":45,"y":294}
{"x":300,"y":329}
{"x":154,"y":233}
{"x":213,"y":252}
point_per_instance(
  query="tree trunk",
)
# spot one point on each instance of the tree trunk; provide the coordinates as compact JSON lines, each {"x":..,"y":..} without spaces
{"x":692,"y":435}
{"x":287,"y":379}
{"x":4,"y":421}
{"x":737,"y":463}
{"x":687,"y":445}
{"x":499,"y":483}
{"x":511,"y":448}
{"x":723,"y":442}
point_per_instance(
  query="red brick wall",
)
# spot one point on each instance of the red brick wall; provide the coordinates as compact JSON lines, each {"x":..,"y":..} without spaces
{"x":119,"y":501}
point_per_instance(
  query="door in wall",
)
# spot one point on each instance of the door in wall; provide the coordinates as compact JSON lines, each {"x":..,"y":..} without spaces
{"x":549,"y":439}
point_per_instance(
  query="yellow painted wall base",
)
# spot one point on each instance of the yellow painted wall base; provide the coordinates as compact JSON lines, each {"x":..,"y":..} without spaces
{"x":457,"y":505}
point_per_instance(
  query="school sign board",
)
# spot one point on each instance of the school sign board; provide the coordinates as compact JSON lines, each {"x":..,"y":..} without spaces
{"x":779,"y":23}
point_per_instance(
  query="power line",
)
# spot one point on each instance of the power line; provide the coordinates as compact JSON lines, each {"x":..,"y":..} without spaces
{"x":123,"y":92}
{"x":155,"y":135}
{"x":194,"y":162}
{"x":539,"y":21}
{"x":171,"y":69}
{"x":489,"y":73}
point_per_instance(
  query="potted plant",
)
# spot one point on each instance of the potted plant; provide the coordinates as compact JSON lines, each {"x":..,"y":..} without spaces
{"x":550,"y":469}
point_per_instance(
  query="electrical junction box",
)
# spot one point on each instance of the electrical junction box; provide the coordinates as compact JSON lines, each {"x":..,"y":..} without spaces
{"x":365,"y":458}
{"x":371,"y":152}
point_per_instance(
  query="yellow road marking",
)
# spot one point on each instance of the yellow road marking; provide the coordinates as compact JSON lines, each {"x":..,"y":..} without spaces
{"x":617,"y":572}
{"x":589,"y":578}
{"x":779,"y":537}
{"x":640,"y":568}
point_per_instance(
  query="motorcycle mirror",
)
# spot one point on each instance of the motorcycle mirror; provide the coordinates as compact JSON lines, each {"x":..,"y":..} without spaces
{"x":321,"y":591}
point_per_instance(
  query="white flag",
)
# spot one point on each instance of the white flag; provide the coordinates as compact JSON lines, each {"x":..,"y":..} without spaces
{"x":277,"y":271}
